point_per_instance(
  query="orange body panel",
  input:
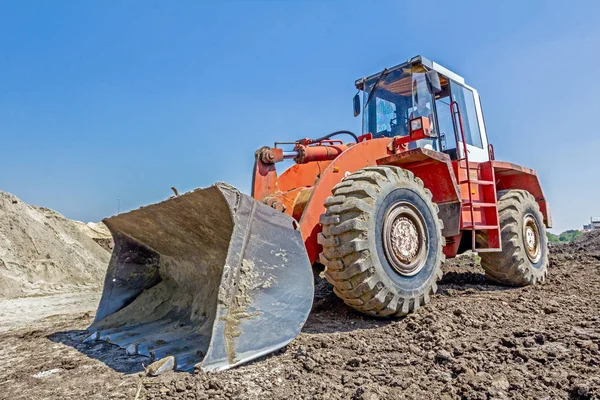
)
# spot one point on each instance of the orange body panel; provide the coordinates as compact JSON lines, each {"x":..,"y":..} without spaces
{"x":302,"y":175}
{"x":359,"y":156}
{"x":301,"y":190}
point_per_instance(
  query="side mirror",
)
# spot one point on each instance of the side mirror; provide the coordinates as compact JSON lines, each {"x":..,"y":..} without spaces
{"x":433,"y":82}
{"x":356,"y":102}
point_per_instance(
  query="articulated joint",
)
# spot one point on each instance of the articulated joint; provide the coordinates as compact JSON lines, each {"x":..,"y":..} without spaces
{"x":271,"y":156}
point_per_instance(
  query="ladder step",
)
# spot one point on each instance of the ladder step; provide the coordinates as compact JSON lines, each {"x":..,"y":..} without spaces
{"x":480,"y":227}
{"x":477,"y":204}
{"x":487,"y":250}
{"x":477,"y":182}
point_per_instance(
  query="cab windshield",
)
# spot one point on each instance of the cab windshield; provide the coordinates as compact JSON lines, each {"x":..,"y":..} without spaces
{"x":399,"y":96}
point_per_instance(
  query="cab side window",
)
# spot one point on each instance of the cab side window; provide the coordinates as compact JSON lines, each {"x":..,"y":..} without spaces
{"x":466,"y":102}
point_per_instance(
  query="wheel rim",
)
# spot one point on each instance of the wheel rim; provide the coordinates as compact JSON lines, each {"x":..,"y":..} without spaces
{"x":405,"y":239}
{"x":531,"y":238}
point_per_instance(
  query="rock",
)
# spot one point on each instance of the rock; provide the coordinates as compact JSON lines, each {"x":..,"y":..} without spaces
{"x":411,"y":326}
{"x":580,"y":391}
{"x":415,"y":349}
{"x":550,"y":310}
{"x":443,"y":356}
{"x":301,"y":352}
{"x":445,"y":377}
{"x":363,"y":394}
{"x":215,"y":384}
{"x":47,"y":373}
{"x":370,"y":396}
{"x":180,"y":386}
{"x":353,"y":362}
{"x":589,"y":345}
{"x":425,"y":336}
{"x":161,"y":366}
{"x":500,"y":382}
{"x":519,"y":360}
{"x":553,"y":303}
{"x":539,"y":338}
{"x":528,"y":342}
{"x":309,"y":364}
{"x":507,"y":342}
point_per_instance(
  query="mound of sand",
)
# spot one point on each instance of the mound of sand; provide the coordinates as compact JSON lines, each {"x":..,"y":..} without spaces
{"x":43,"y":252}
{"x":98,"y":232}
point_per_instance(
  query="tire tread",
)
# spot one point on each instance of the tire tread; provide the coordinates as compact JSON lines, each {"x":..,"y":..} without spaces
{"x":349,"y":266}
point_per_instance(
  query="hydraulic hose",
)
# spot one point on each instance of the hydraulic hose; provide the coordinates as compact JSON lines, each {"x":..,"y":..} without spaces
{"x":332,"y":134}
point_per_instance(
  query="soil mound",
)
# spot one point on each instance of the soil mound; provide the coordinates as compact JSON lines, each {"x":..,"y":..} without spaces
{"x":590,"y":240}
{"x":42,"y":252}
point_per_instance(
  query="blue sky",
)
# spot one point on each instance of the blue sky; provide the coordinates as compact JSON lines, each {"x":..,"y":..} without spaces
{"x":111,"y":100}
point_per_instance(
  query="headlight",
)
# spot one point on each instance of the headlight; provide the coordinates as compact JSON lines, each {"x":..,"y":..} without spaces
{"x":416,"y":124}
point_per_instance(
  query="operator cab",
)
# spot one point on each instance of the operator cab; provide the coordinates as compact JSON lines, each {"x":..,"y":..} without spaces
{"x":422,"y":88}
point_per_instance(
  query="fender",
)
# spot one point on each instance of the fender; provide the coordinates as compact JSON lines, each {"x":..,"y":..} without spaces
{"x":360,"y":155}
{"x":436,"y":171}
{"x":512,"y":176}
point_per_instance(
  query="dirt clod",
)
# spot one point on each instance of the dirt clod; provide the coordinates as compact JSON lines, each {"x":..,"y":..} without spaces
{"x":161,"y":366}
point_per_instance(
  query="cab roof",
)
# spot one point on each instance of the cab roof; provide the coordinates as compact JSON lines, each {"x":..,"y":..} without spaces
{"x":360,"y":83}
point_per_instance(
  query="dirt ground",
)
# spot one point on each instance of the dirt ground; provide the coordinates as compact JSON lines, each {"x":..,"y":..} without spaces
{"x":476,"y":340}
{"x":26,"y":311}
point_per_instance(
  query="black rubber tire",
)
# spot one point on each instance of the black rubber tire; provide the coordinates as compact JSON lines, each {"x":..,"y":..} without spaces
{"x":353,"y":253}
{"x":512,"y":266}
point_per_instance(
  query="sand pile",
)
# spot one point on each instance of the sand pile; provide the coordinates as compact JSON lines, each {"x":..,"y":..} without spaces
{"x":42,"y":252}
{"x":98,"y":232}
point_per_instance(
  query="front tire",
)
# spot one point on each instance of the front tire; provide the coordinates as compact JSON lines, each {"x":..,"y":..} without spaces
{"x":382,"y":241}
{"x":524,"y":257}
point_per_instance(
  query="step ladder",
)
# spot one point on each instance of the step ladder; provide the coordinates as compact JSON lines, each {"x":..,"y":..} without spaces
{"x":477,"y":178}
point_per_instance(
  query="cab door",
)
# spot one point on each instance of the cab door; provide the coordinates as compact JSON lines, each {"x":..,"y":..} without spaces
{"x":472,"y":118}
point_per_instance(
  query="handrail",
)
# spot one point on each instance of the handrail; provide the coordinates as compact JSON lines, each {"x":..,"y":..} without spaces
{"x":455,"y":111}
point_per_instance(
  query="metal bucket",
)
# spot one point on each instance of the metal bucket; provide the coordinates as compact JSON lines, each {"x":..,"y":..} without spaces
{"x":211,"y":277}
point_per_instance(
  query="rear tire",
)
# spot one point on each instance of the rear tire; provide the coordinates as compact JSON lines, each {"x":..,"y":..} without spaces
{"x":524,"y":257}
{"x":382,"y":241}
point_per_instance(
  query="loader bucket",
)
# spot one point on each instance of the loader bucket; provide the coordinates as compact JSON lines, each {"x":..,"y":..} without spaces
{"x":211,"y":277}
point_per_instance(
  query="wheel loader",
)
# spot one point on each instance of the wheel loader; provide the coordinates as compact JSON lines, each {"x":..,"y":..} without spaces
{"x":216,"y":278}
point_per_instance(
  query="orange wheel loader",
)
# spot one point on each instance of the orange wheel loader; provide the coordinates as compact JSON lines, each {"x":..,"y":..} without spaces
{"x":216,"y":278}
